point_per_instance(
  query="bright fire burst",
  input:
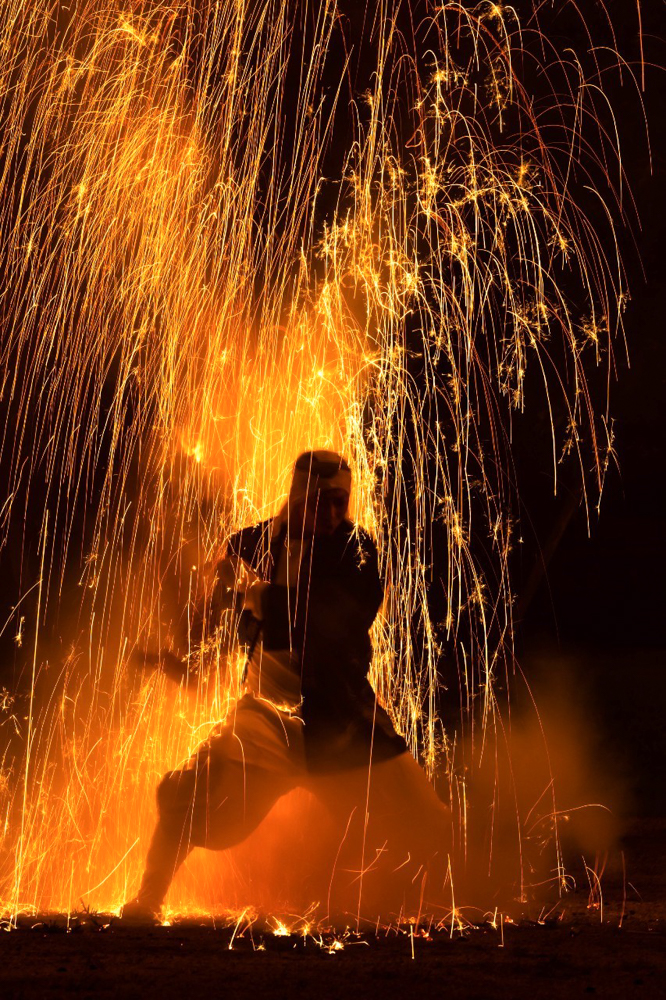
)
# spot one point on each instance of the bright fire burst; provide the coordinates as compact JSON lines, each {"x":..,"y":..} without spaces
{"x":189,"y":301}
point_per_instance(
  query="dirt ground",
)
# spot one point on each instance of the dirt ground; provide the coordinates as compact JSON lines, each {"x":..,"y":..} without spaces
{"x":576,"y":952}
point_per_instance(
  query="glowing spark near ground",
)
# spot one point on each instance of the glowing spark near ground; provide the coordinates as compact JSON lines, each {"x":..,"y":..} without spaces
{"x":183,"y":312}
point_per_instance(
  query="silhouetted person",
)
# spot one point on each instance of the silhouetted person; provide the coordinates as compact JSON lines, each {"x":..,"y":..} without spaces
{"x":310,"y":589}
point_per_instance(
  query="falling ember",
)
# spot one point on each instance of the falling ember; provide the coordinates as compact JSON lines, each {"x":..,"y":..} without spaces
{"x":190,"y":300}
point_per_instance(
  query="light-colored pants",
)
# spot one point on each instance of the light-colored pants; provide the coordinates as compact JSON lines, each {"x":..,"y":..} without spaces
{"x":387,"y":813}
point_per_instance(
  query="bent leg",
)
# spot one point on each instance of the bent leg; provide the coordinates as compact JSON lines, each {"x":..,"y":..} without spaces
{"x":190,"y":816}
{"x":223,"y":793}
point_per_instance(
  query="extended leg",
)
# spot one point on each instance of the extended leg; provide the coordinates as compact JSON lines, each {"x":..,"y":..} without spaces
{"x":171,"y":841}
{"x":393,"y":837}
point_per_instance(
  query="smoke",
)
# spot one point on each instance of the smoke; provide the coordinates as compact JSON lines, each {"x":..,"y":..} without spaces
{"x":352,"y":848}
{"x":533,"y":810}
{"x":546,"y":801}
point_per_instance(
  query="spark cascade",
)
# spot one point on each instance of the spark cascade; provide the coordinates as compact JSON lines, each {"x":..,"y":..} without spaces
{"x":190,"y":299}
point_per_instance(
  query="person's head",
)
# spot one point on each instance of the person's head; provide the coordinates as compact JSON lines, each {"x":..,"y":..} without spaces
{"x":319,"y":494}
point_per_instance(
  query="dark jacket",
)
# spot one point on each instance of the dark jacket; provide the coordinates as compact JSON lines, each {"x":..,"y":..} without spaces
{"x":326,"y":621}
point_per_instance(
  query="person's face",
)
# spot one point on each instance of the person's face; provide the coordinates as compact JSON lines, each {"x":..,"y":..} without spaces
{"x":322,"y":513}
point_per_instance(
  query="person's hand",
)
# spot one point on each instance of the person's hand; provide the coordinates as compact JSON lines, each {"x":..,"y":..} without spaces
{"x":253,"y":597}
{"x":145,"y":659}
{"x":235,"y":574}
{"x":166,"y":661}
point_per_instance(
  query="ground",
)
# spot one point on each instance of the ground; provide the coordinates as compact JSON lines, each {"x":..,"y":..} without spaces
{"x":579,"y":952}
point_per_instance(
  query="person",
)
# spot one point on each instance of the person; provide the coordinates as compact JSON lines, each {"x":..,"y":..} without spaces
{"x":307,"y":587}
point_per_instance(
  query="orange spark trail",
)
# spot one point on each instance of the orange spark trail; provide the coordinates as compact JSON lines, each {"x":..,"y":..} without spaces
{"x":183,"y":312}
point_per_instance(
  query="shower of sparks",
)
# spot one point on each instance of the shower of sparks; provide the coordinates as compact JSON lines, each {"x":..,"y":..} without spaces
{"x":180,"y":319}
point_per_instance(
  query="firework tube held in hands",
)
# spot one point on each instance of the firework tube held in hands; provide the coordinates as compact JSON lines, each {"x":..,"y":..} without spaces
{"x":309,"y":587}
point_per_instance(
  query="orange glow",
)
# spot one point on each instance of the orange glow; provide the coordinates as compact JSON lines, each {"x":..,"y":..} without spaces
{"x":184,"y":323}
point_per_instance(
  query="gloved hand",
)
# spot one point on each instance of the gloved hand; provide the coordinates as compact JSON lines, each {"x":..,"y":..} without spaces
{"x":164,"y":660}
{"x":238,"y":586}
{"x":253,"y":597}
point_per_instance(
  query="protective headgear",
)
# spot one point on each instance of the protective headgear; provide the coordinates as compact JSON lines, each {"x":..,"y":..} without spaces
{"x":316,"y":471}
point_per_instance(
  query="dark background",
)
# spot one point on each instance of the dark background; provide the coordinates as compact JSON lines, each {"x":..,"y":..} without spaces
{"x":601,"y":602}
{"x":609,"y":588}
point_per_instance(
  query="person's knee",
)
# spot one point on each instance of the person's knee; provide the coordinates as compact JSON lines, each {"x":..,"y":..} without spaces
{"x":203,"y":800}
{"x":175,"y":795}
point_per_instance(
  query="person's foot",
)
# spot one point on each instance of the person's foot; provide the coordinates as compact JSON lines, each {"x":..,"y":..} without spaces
{"x":136,"y":913}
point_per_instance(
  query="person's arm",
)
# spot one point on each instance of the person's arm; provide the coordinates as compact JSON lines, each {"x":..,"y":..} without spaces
{"x":355,"y":588}
{"x":235,"y":580}
{"x":362,"y":580}
{"x":239,"y":584}
{"x":344,"y":603}
{"x":163,"y":660}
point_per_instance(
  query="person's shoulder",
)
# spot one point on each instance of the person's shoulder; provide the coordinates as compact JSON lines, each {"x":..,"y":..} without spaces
{"x":249,"y":539}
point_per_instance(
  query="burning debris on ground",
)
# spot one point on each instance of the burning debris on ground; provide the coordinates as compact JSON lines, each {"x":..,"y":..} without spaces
{"x":568,"y":951}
